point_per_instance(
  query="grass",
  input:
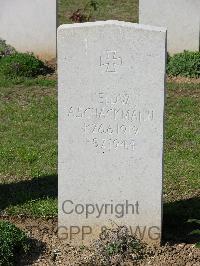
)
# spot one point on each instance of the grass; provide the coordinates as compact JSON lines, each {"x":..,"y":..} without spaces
{"x":181,"y":161}
{"x":13,"y":241}
{"x":182,"y":149}
{"x":107,"y":9}
{"x":26,"y":82}
{"x":28,"y":131}
{"x":28,"y":147}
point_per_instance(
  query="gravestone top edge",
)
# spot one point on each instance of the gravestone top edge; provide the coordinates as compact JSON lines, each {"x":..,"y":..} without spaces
{"x":112,"y":23}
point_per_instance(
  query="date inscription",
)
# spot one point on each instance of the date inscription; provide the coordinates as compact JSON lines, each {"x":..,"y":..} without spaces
{"x":113,"y":123}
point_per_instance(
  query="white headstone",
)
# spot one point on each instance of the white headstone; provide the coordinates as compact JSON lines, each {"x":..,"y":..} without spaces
{"x":180,"y":17}
{"x":30,"y":26}
{"x":111,"y":79}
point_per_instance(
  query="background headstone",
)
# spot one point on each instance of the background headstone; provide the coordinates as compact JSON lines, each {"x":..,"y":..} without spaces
{"x":29,"y":26}
{"x":111,"y":78}
{"x":180,"y":17}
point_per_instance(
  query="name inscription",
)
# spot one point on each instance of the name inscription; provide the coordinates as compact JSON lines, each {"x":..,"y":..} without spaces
{"x":112,"y":124}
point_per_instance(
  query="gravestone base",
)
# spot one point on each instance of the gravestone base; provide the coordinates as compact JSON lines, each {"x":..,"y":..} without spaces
{"x":86,"y":234}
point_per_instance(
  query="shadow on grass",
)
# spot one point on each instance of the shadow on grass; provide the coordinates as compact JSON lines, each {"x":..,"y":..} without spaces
{"x":37,"y":248}
{"x":175,"y":226}
{"x":23,"y":191}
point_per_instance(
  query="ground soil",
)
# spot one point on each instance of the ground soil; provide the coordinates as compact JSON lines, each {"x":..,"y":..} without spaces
{"x":180,"y":79}
{"x":47,"y":249}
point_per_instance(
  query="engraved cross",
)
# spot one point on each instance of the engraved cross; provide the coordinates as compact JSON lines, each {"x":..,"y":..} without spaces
{"x":110,"y":61}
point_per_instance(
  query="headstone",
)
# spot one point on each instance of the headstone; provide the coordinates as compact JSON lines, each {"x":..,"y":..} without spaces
{"x":30,"y":26}
{"x":111,"y":79}
{"x":180,"y":17}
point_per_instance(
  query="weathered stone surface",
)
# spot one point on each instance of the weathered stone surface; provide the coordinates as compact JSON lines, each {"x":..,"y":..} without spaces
{"x":111,"y":82}
{"x":180,"y":17}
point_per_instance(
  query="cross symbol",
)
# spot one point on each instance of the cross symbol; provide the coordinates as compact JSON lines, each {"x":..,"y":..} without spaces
{"x":110,"y":61}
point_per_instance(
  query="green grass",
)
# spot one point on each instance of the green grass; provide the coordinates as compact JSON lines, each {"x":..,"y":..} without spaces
{"x":36,"y":208}
{"x":182,"y":149}
{"x":23,"y":65}
{"x":126,"y":10}
{"x":186,"y":64}
{"x":28,"y":131}
{"x":28,"y":147}
{"x":26,"y":82}
{"x":13,"y":241}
